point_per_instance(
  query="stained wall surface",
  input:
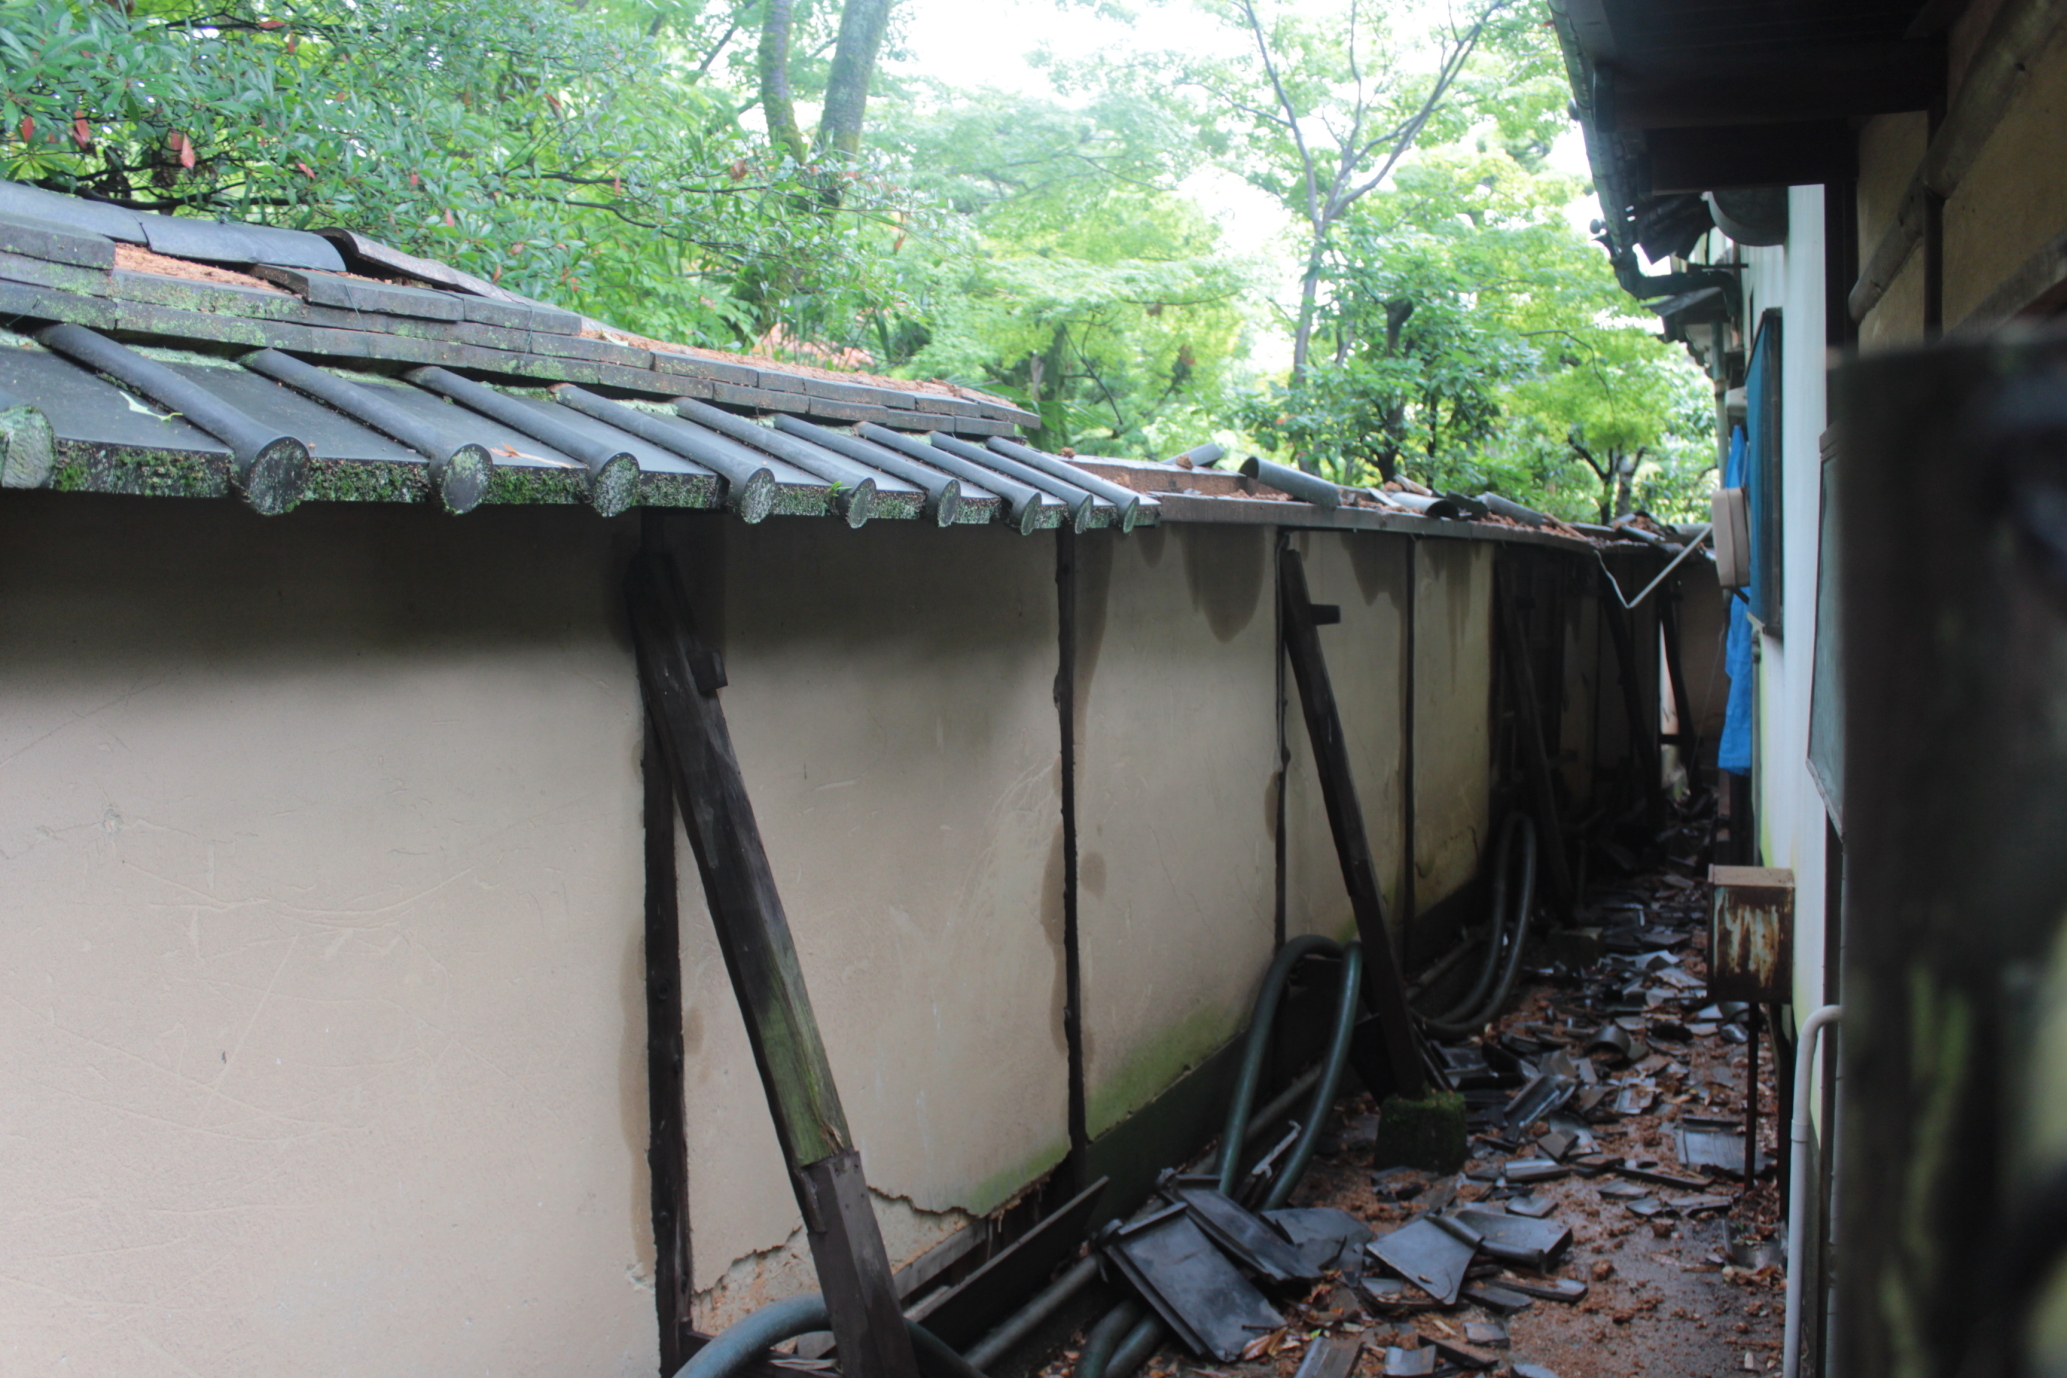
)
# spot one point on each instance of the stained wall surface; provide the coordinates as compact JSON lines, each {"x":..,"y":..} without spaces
{"x":1176,"y":701}
{"x":891,"y":703}
{"x":1453,"y":689}
{"x":322,"y":874}
{"x":321,"y":1024}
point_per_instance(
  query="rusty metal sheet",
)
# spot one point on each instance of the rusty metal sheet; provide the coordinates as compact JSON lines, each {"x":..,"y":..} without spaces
{"x":1751,"y":934}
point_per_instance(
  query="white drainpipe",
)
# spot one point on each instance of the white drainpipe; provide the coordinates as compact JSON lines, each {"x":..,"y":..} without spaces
{"x":1802,"y":1190}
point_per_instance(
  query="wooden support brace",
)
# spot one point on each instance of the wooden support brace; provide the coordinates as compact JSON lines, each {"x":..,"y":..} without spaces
{"x":680,"y":677}
{"x":1384,"y":991}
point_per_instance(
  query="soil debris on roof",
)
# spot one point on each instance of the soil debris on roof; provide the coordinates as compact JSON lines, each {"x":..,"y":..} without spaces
{"x":135,"y":258}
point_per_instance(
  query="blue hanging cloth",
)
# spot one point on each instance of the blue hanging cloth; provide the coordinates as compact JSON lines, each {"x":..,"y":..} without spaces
{"x":1733,"y":752}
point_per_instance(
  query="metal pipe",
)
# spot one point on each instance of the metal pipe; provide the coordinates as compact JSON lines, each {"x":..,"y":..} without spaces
{"x":459,"y":471}
{"x":1147,"y":1333}
{"x":1500,"y":936}
{"x":742,"y":1344}
{"x":1257,"y":1044}
{"x":1085,"y":1271}
{"x":1080,"y":500}
{"x":1022,"y":502}
{"x":1044,"y":1304}
{"x":1631,"y":603}
{"x":1114,"y":1329}
{"x":1125,"y":499}
{"x":1204,"y":456}
{"x":744,"y":1341}
{"x":1263,"y":1120}
{"x":749,"y":482}
{"x":943,"y":493}
{"x":1469,"y":1019}
{"x":1442,"y":965}
{"x":854,"y":487}
{"x":1141,"y":1342}
{"x":271,"y":470}
{"x":1329,"y":1083}
{"x":613,"y":473}
{"x":1295,"y":483}
{"x":1802,"y":1190}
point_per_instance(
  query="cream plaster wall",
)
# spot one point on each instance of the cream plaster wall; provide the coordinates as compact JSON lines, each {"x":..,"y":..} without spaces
{"x":1364,"y":574}
{"x":321,"y":1045}
{"x":1176,"y":693}
{"x":891,"y":703}
{"x":1453,"y":687}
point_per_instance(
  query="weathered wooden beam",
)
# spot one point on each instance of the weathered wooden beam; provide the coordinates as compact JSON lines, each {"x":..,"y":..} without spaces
{"x":667,"y":1150}
{"x":1384,"y":991}
{"x":680,"y":677}
{"x":1994,"y":80}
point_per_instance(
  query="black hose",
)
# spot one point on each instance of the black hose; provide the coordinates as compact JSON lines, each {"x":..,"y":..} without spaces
{"x":1262,"y":1020}
{"x":742,"y":1344}
{"x":1506,"y":943}
{"x":1144,"y":1334}
{"x":1496,"y":931}
{"x":1107,"y":1337}
{"x":1126,"y":1335}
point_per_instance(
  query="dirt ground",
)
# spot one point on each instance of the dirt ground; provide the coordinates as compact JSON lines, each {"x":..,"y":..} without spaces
{"x":1691,"y":1290}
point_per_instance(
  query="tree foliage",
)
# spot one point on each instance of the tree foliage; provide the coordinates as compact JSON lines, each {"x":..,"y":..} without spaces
{"x":646,"y":161}
{"x":1078,"y":281}
{"x":582,"y":157}
{"x":1480,"y":341}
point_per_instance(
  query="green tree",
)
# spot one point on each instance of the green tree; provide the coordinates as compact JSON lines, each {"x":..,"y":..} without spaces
{"x":1323,"y":105}
{"x":1479,"y":341}
{"x":582,"y":156}
{"x":1068,"y":272}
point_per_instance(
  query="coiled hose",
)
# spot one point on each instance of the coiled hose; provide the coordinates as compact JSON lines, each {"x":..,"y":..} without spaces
{"x":1125,"y":1337}
{"x":1504,"y":944}
{"x":744,"y":1343}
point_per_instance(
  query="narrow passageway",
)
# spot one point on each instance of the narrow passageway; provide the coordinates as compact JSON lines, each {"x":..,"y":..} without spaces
{"x":1670,"y":1270}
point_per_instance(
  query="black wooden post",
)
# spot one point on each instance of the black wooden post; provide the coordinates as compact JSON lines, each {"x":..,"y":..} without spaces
{"x":680,"y":677}
{"x":1384,"y":991}
{"x":1410,"y":654}
{"x":667,"y":1152}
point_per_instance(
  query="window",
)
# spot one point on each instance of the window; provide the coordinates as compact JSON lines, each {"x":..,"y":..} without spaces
{"x":1762,"y":427}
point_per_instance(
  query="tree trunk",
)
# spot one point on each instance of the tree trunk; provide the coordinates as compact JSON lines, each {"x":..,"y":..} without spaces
{"x":1309,"y":301}
{"x":777,"y":106}
{"x":862,"y":25}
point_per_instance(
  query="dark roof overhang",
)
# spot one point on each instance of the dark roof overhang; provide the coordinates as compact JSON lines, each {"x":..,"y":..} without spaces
{"x":1688,"y":98}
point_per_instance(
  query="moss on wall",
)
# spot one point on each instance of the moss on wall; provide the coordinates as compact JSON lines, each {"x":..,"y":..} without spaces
{"x":84,"y":468}
{"x":1157,"y":1063}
